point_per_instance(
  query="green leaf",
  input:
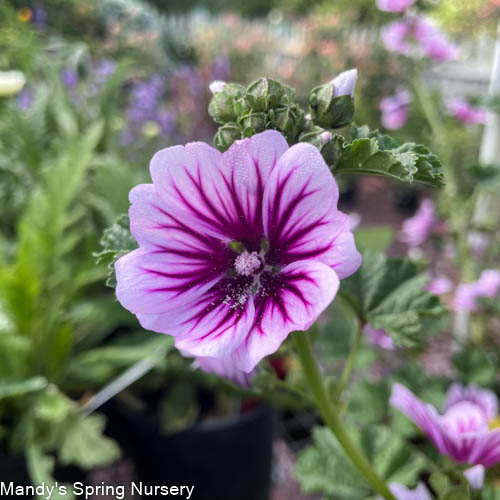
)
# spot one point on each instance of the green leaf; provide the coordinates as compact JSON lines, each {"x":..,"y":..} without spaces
{"x":373,"y":153}
{"x":85,"y":445}
{"x":324,"y":467}
{"x":16,"y":388}
{"x":40,"y":468}
{"x":116,"y":241}
{"x":390,"y":294}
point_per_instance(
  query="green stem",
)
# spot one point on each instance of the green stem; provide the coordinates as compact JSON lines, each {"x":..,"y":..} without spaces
{"x":349,"y":364}
{"x":332,"y":419}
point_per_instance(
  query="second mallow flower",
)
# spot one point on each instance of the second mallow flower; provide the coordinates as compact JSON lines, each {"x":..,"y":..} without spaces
{"x":236,"y":249}
{"x":464,"y":430}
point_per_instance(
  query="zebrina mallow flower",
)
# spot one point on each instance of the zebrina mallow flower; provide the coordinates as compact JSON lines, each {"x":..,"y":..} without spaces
{"x":465,"y":431}
{"x":415,"y":230}
{"x":394,"y":5}
{"x":236,"y":250}
{"x":467,"y":294}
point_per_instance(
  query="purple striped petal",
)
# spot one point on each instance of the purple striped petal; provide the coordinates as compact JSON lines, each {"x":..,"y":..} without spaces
{"x":217,"y":194}
{"x":174,"y":264}
{"x":214,"y":324}
{"x":301,"y":219}
{"x":488,"y":449}
{"x":424,"y":415}
{"x":288,"y":301}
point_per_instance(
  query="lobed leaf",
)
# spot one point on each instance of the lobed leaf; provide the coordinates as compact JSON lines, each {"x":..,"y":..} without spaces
{"x":369,"y":152}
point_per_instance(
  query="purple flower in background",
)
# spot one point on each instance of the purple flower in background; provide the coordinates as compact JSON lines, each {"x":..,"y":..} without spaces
{"x":144,"y":99}
{"x":467,"y":294}
{"x":433,"y":42}
{"x":221,"y":67}
{"x":225,"y":367}
{"x":236,"y":249}
{"x":464,"y":112}
{"x":39,"y":17}
{"x":394,"y":5}
{"x":440,"y":285}
{"x":26,"y":98}
{"x":103,"y":70}
{"x":395,"y":36}
{"x":462,"y":431}
{"x":379,"y":338}
{"x":401,"y":492}
{"x":395,"y":110}
{"x":69,"y":77}
{"x":417,"y":229}
{"x":345,"y":82}
{"x":167,"y":120}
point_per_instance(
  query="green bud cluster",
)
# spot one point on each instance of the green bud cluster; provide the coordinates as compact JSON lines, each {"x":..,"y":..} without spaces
{"x":268,"y":104}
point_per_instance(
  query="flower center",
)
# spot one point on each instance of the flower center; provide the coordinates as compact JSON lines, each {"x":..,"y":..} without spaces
{"x":247,"y":263}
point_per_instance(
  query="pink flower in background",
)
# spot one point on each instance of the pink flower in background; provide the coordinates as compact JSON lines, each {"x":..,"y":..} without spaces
{"x":345,"y":82}
{"x":417,"y":229}
{"x":440,"y":285}
{"x":236,"y":250}
{"x":467,"y":294}
{"x":478,"y":243}
{"x":462,"y":431}
{"x":379,"y":338}
{"x":394,"y":5}
{"x":395,"y":110}
{"x":395,"y":36}
{"x":399,"y":35}
{"x":401,"y":492}
{"x":225,"y":367}
{"x":433,"y":42}
{"x":464,"y":112}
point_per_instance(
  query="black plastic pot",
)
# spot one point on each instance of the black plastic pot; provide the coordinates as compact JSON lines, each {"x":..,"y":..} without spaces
{"x":225,"y":459}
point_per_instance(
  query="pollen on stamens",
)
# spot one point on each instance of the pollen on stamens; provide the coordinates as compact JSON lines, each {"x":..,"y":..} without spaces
{"x":247,"y":263}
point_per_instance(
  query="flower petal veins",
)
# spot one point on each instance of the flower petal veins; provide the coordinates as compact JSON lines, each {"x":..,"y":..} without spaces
{"x":236,"y":250}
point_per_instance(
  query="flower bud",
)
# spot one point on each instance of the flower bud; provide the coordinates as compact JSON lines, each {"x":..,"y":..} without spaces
{"x":226,"y":135}
{"x":225,"y":104}
{"x":265,"y":93}
{"x":323,"y":140}
{"x":332,"y":105}
{"x":252,"y":123}
{"x":345,"y":82}
{"x":217,"y":86}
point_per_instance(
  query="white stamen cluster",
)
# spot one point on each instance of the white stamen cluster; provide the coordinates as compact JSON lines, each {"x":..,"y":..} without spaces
{"x":246,"y":263}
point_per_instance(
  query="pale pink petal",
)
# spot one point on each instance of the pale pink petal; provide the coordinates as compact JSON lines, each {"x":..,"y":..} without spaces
{"x":401,"y":492}
{"x":379,"y":338}
{"x":424,"y":415}
{"x":417,"y":229}
{"x":225,"y":367}
{"x":475,"y":476}
{"x":290,"y":300}
{"x":395,"y":36}
{"x":300,"y":214}
{"x":485,"y":399}
{"x":440,"y":285}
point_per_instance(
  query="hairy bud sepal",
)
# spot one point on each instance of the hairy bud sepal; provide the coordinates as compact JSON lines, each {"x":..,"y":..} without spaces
{"x":226,"y":135}
{"x":329,"y":111}
{"x":228,"y":104}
